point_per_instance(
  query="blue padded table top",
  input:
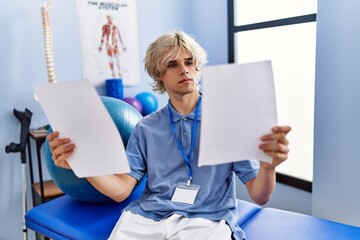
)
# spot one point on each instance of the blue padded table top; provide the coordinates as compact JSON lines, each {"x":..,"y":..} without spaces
{"x":275,"y":224}
{"x":66,"y":218}
{"x":245,"y":211}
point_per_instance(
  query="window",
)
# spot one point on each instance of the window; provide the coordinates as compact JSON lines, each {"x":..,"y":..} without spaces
{"x":284,"y":32}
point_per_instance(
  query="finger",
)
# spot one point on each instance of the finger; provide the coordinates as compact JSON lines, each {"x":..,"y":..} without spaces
{"x":278,"y":137}
{"x":276,"y":147}
{"x":56,"y":143}
{"x":284,"y":129}
{"x":281,"y":138}
{"x":63,"y":149}
{"x":52,"y":135}
{"x":273,"y":136}
{"x":284,"y":141}
{"x":65,"y":156}
{"x":60,"y":160}
{"x":63,"y":164}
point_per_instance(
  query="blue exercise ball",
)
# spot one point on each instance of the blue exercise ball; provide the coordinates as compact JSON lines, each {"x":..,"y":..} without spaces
{"x":125,"y":117}
{"x":148,"y":101}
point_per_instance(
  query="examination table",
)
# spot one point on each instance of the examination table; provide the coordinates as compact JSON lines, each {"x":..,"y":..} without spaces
{"x":67,"y":218}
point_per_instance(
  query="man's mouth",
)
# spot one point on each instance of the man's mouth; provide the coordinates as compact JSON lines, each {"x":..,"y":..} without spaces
{"x":185,"y":80}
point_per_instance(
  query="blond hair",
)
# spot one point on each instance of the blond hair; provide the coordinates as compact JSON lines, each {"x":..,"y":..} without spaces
{"x":164,"y":49}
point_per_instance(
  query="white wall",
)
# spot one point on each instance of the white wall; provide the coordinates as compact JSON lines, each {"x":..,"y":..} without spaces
{"x":336,"y":184}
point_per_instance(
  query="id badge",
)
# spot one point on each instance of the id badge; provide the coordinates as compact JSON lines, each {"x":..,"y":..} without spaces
{"x":185,"y":194}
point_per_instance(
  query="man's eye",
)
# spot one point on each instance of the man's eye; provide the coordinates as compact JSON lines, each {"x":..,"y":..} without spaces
{"x":171,"y":65}
{"x":189,"y":63}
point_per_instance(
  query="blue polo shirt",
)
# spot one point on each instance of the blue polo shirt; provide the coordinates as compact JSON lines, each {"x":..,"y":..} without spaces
{"x":152,"y":150}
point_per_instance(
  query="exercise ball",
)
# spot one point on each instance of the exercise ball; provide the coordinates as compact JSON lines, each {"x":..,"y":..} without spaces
{"x":125,"y":118}
{"x":148,"y":101}
{"x":134,"y":102}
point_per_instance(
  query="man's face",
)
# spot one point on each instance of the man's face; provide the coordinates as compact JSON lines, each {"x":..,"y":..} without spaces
{"x":180,"y":77}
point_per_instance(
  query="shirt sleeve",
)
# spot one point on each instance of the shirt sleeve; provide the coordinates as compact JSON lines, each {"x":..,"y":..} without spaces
{"x":136,"y":156}
{"x":246,"y":170}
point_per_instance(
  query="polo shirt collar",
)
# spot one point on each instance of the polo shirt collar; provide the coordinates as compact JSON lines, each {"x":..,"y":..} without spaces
{"x":177,"y":116}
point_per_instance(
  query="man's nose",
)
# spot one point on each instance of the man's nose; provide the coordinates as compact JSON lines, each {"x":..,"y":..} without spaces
{"x":183,"y":70}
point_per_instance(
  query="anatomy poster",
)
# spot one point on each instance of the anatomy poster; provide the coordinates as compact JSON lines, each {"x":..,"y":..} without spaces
{"x":109,"y":44}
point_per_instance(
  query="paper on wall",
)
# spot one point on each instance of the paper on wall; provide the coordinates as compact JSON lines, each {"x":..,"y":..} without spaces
{"x":109,"y":41}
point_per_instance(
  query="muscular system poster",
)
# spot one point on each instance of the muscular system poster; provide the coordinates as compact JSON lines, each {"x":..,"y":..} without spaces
{"x":109,"y":44}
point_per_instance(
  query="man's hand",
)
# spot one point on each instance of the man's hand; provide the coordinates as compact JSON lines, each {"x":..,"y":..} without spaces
{"x":275,"y":145}
{"x":61,"y":149}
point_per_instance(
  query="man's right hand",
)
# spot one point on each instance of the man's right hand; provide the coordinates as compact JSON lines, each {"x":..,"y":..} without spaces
{"x":61,"y":149}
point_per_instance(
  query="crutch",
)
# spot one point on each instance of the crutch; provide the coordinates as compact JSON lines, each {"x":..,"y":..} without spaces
{"x":25,"y":119}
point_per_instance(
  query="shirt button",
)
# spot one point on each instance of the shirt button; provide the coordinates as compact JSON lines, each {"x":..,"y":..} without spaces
{"x":184,"y":133}
{"x":185,"y":118}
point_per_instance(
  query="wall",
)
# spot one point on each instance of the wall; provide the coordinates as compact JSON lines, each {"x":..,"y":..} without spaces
{"x":210,"y":28}
{"x":336,"y":194}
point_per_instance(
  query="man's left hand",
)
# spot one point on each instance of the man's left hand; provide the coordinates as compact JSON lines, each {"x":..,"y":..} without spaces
{"x":275,"y":145}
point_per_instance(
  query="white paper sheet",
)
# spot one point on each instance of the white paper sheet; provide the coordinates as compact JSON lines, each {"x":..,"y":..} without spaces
{"x":238,"y":107}
{"x":76,"y":110}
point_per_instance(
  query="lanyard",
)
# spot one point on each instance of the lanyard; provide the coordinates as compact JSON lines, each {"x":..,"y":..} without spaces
{"x":186,"y":157}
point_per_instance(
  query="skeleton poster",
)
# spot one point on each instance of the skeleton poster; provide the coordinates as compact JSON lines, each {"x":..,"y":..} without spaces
{"x":108,"y":39}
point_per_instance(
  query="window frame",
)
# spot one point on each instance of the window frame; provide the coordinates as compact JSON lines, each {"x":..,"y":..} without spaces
{"x":232,"y":30}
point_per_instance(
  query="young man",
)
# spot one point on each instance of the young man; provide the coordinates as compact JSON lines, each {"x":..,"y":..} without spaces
{"x":181,"y":200}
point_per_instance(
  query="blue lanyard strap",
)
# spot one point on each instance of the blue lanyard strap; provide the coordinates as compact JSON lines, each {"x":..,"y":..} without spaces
{"x":186,"y":157}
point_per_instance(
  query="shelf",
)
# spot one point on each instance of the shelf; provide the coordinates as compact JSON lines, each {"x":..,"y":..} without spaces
{"x":50,"y":190}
